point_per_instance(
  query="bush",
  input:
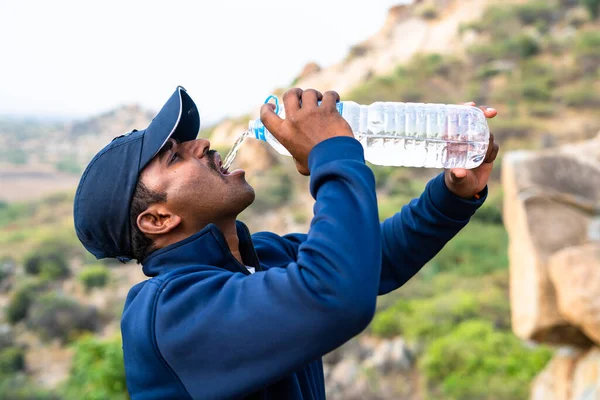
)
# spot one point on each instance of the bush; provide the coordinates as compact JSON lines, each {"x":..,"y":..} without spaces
{"x":427,"y":10}
{"x":536,"y":11}
{"x":54,"y":316}
{"x":536,"y":90}
{"x":11,"y":212}
{"x":427,"y":319}
{"x":98,"y":371}
{"x":48,"y":262}
{"x":475,"y":361}
{"x":522,"y":46}
{"x":499,"y":21}
{"x":478,"y":249}
{"x":580,"y":95}
{"x":587,"y":52}
{"x":593,"y":6}
{"x":12,"y":359}
{"x":95,"y":276}
{"x":21,"y":300}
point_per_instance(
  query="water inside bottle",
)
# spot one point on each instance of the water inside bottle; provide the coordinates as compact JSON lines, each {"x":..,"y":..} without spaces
{"x":234,"y":150}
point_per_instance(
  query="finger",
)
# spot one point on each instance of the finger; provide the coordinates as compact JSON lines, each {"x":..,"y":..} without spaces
{"x":310,"y":97}
{"x":493,"y":154}
{"x":301,"y":168}
{"x":470,"y":103}
{"x":490,"y":148}
{"x":489,"y":112}
{"x":291,"y":100}
{"x":458,"y":174}
{"x":271,"y":120}
{"x":330,"y":98}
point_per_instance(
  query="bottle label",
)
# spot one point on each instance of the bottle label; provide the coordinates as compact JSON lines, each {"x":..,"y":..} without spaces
{"x":259,"y":132}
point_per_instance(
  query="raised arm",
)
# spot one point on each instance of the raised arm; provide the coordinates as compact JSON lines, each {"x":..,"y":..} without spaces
{"x":226,"y":334}
{"x":420,"y":230}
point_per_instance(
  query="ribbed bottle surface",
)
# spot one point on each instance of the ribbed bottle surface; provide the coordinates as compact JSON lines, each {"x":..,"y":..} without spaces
{"x":411,"y":134}
{"x":419,"y":135}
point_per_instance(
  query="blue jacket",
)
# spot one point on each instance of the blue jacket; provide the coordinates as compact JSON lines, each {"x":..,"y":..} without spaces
{"x":204,"y":327}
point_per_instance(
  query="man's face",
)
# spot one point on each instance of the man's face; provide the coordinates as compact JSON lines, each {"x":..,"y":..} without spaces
{"x":197,"y":189}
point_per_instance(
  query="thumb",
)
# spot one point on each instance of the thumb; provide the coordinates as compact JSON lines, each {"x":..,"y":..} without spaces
{"x":269,"y":119}
{"x":458,"y":175}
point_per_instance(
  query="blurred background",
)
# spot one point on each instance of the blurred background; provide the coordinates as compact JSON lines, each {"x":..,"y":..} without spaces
{"x":508,"y":310}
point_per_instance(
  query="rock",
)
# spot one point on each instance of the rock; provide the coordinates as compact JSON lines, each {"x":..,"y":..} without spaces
{"x":545,"y":190}
{"x":309,"y":69}
{"x":586,"y":377}
{"x":390,"y":355}
{"x":574,"y":273}
{"x":554,"y":382}
{"x":344,"y":373}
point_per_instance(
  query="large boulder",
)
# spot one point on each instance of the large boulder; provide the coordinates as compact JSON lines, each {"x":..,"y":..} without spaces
{"x":586,"y":377}
{"x":572,"y":374}
{"x":574,"y":273}
{"x":551,"y":198}
{"x":554,"y":382}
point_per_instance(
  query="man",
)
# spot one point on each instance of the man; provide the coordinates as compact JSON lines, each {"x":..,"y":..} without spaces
{"x":226,"y":314}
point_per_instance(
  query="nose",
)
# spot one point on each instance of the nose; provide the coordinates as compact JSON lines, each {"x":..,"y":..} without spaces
{"x":198,"y":147}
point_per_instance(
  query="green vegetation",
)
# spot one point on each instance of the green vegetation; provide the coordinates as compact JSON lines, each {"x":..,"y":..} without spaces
{"x":13,"y":211}
{"x":422,"y":318}
{"x":48,"y":262}
{"x":98,"y":371}
{"x":593,"y":6}
{"x":427,"y":10}
{"x":18,"y":387}
{"x":475,"y":361}
{"x":14,"y":156}
{"x":54,"y":316}
{"x":12,"y":359}
{"x":69,"y":165}
{"x":95,"y":276}
{"x":21,"y":300}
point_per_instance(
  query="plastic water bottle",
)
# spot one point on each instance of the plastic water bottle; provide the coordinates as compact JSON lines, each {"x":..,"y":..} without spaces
{"x":407,"y":134}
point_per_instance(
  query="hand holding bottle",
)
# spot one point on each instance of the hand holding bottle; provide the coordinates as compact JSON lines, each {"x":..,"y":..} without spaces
{"x":306,"y":123}
{"x":467,"y":183}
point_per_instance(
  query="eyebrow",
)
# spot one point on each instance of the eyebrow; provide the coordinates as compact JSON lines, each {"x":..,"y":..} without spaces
{"x":165,"y":149}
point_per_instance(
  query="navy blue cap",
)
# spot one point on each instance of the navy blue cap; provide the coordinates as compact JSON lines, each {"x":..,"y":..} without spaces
{"x":103,"y":197}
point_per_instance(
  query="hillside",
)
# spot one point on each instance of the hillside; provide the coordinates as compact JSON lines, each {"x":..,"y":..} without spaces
{"x":38,"y":157}
{"x":447,"y":334}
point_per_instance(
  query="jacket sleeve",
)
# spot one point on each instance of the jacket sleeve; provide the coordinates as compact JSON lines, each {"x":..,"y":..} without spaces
{"x":420,"y":230}
{"x":229,"y":334}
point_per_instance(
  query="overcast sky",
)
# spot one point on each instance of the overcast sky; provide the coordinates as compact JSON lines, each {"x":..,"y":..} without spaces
{"x":79,"y":58}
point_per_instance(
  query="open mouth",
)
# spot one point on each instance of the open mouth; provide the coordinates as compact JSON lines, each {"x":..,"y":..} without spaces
{"x":219,"y":165}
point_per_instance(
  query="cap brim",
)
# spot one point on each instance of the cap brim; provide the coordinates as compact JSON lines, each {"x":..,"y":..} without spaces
{"x":178,"y":119}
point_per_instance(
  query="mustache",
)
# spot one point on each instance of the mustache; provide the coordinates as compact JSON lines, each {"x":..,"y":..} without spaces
{"x":211,"y":159}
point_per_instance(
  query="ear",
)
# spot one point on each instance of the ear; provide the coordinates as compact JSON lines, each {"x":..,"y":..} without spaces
{"x":157,"y":220}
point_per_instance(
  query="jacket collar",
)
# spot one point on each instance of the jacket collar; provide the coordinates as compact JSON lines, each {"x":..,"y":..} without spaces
{"x":206,"y":247}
